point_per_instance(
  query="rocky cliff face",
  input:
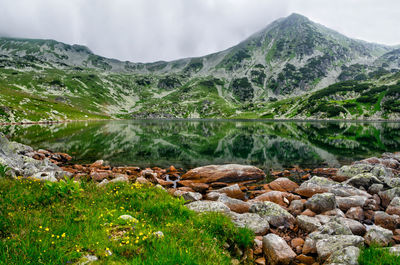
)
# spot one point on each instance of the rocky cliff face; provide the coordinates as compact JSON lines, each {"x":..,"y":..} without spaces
{"x":290,"y":57}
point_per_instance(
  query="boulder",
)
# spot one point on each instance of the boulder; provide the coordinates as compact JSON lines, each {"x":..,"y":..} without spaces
{"x":347,"y":172}
{"x":198,"y":187}
{"x":335,"y":212}
{"x":13,"y":155}
{"x":356,"y":227}
{"x":315,"y":185}
{"x":235,"y":205}
{"x":345,"y":203}
{"x":232,"y":191}
{"x":308,"y":224}
{"x":319,"y":203}
{"x":119,"y":178}
{"x":335,"y":227}
{"x":375,"y":188}
{"x":252,"y":221}
{"x":188,"y":196}
{"x":97,"y":164}
{"x":275,"y":214}
{"x":231,"y":173}
{"x":325,"y":247}
{"x":346,"y":256}
{"x":309,"y":246}
{"x":213,"y":196}
{"x":388,"y":195}
{"x":283,"y":184}
{"x":277,"y":251}
{"x":208,"y":206}
{"x":394,"y":206}
{"x":296,"y":207}
{"x":386,"y":220}
{"x":378,"y":235}
{"x":364,"y":180}
{"x":355,"y":213}
{"x":278,"y":197}
{"x":100,"y":175}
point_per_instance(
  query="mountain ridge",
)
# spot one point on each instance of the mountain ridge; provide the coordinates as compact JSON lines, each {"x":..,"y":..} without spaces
{"x":289,"y":58}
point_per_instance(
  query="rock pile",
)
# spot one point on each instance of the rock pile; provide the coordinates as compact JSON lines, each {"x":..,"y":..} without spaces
{"x":21,"y":160}
{"x":324,"y":220}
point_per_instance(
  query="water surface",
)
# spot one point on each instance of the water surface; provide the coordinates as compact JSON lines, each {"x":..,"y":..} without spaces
{"x":187,"y":144}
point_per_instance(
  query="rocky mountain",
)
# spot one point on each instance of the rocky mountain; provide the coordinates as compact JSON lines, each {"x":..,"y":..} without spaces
{"x":291,"y":59}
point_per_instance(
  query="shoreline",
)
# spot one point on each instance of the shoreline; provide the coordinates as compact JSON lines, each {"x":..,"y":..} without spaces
{"x":206,"y":119}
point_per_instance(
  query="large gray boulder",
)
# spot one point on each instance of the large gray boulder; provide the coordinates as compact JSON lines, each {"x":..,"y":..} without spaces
{"x":325,"y":247}
{"x":346,"y":256}
{"x":320,"y":203}
{"x":188,"y":196}
{"x":12,"y":155}
{"x":335,"y":227}
{"x":364,"y":180}
{"x":378,"y":235}
{"x":208,"y":206}
{"x":275,"y":214}
{"x":345,"y":203}
{"x":308,"y":224}
{"x":379,"y":171}
{"x":277,"y":251}
{"x":252,"y":221}
{"x":322,"y":185}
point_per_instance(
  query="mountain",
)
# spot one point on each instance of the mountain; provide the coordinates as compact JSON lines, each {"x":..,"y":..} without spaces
{"x":290,"y":60}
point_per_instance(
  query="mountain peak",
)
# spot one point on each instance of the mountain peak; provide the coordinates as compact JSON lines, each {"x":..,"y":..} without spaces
{"x":295,"y":17}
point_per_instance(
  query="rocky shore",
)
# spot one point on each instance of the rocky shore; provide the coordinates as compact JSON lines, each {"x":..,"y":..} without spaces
{"x":303,"y":216}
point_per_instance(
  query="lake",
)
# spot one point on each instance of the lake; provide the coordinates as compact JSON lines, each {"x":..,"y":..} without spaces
{"x":192,"y":143}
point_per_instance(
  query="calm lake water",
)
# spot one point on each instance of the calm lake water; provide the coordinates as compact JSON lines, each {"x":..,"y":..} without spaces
{"x":187,"y":144}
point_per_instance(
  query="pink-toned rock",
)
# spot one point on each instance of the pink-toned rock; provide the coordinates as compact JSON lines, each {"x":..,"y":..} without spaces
{"x":283,"y":184}
{"x":326,"y":172}
{"x":231,"y":173}
{"x":100,"y":175}
{"x":387,"y":221}
{"x":260,"y":261}
{"x":307,"y":260}
{"x":308,"y":212}
{"x":394,"y":206}
{"x":232,"y":191}
{"x":235,"y":205}
{"x":185,"y":189}
{"x":198,"y":187}
{"x":355,"y":213}
{"x":97,"y":164}
{"x":277,"y":251}
{"x":278,"y":197}
{"x":297,"y":242}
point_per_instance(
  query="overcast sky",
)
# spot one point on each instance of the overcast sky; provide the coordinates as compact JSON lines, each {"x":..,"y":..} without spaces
{"x":152,"y":30}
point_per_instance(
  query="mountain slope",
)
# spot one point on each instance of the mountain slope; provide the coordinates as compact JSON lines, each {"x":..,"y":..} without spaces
{"x":289,"y":58}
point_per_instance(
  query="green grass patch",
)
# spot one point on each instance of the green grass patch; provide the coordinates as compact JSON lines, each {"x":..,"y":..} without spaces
{"x":59,"y":223}
{"x":377,"y":256}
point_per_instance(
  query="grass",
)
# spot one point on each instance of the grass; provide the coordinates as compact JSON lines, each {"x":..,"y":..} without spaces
{"x":59,"y":223}
{"x":377,"y":256}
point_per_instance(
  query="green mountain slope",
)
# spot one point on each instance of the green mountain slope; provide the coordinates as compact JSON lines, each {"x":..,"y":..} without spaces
{"x":282,"y":65}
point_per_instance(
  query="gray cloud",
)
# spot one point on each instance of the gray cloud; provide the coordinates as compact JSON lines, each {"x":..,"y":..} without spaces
{"x":151,"y":30}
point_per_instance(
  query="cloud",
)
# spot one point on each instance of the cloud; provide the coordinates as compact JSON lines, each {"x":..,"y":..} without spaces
{"x":152,"y":30}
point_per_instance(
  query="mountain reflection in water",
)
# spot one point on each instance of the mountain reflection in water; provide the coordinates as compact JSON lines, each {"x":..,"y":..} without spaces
{"x":188,"y":143}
